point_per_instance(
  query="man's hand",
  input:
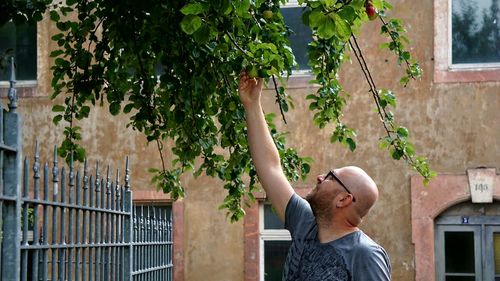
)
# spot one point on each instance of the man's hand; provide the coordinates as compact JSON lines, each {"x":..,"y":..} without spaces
{"x":249,"y":89}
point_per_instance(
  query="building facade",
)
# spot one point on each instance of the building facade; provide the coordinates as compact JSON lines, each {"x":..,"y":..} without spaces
{"x":453,"y":114}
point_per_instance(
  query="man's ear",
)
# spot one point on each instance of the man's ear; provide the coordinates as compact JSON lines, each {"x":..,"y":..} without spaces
{"x":345,"y":201}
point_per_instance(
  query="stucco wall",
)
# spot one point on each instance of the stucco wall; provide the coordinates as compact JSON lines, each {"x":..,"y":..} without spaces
{"x":454,"y":124}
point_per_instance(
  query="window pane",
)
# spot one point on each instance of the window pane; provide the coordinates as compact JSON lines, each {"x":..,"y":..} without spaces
{"x":460,"y":278}
{"x":496,"y":246}
{"x":459,"y":253}
{"x":475,"y":31}
{"x":271,"y":220}
{"x":274,"y":258}
{"x":21,"y":40}
{"x":301,"y":35}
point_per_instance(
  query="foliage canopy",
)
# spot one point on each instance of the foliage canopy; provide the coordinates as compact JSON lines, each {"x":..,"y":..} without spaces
{"x":174,"y":65}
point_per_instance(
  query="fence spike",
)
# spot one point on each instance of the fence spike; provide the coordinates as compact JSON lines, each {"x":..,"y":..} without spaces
{"x":108,"y":182}
{"x":71,"y":174}
{"x":12,"y":90}
{"x":97,"y":176}
{"x":127,"y":176}
{"x":55,"y":172}
{"x":117,"y":180}
{"x":85,"y":174}
{"x":36,"y":164}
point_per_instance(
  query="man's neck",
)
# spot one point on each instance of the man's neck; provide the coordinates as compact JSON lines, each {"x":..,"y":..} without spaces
{"x":328,"y":232}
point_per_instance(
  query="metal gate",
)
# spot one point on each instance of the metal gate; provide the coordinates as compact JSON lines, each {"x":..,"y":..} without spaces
{"x":62,"y":223}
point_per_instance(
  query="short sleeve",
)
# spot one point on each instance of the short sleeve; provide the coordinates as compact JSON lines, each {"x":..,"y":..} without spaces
{"x":371,"y":263}
{"x":298,"y":214}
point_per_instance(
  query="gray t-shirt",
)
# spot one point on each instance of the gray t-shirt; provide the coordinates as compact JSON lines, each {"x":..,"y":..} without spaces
{"x":353,"y":257}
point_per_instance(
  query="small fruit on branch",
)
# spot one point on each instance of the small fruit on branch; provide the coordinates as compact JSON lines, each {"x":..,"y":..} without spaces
{"x":371,"y":11}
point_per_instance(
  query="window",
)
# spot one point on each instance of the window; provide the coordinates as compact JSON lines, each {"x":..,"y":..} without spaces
{"x":466,"y":41}
{"x":301,"y":34}
{"x":18,"y":41}
{"x":467,"y":248}
{"x":274,"y":244}
{"x":475,"y":33}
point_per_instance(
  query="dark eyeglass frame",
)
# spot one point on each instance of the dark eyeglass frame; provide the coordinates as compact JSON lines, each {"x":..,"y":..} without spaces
{"x":333,"y":175}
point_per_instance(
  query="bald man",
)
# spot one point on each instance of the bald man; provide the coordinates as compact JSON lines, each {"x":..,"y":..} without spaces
{"x":326,"y":241}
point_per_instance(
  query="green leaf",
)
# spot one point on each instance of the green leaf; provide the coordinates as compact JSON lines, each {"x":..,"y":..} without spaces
{"x":347,"y":13}
{"x":194,"y":9}
{"x":351,"y":143}
{"x":54,"y":16}
{"x":190,"y":24}
{"x":326,"y":27}
{"x":58,"y":108}
{"x":402,"y":132}
{"x":56,"y":53}
{"x":342,"y":27}
{"x":57,"y":119}
{"x":114,"y":108}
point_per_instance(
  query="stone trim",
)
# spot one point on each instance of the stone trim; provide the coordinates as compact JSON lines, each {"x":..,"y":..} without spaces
{"x":427,"y":202}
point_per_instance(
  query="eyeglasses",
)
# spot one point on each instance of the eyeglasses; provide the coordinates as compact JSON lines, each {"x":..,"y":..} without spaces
{"x":333,"y":175}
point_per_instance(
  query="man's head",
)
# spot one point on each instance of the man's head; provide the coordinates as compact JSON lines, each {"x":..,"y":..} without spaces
{"x":348,"y":191}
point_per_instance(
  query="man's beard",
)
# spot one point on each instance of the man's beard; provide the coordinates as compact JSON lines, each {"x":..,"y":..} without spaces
{"x":321,"y":205}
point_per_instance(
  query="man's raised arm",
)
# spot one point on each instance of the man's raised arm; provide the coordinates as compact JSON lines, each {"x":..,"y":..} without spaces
{"x":264,"y":153}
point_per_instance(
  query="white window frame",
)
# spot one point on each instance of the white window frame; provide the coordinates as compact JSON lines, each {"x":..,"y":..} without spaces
{"x":463,"y":66}
{"x":268,"y":235}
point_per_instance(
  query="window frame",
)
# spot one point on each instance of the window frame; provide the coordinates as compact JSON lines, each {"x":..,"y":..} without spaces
{"x":29,"y":82}
{"x":301,"y":73}
{"x":483,"y":228}
{"x":444,"y":71}
{"x":268,"y":235}
{"x":463,"y":66}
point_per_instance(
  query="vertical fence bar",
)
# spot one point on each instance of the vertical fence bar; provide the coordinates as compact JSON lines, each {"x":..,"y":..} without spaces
{"x":127,"y":226}
{"x":62,"y":236}
{"x":91,"y":227}
{"x":97,"y":227}
{"x":70,"y":221}
{"x":24,"y":219}
{"x":11,"y":209}
{"x":36,"y":179}
{"x":108,"y":230}
{"x":55,"y":187}
{"x":45,"y":257}
{"x":84,"y":219}
{"x":78,"y":267}
{"x":101,"y":236}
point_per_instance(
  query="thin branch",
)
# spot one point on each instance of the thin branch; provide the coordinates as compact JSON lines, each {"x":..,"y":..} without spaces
{"x":236,"y":44}
{"x":408,"y":67}
{"x":339,"y":8}
{"x":279,"y":100}
{"x":369,"y":79}
{"x":160,"y":148}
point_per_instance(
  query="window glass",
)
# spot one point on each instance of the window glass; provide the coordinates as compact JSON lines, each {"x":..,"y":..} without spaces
{"x":19,"y":41}
{"x":274,"y":258}
{"x":271,"y":220}
{"x":459,"y":253}
{"x":496,"y":248}
{"x":475,"y":32}
{"x":301,"y":35}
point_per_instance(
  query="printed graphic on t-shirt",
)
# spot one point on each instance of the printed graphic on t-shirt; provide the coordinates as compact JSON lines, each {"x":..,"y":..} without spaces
{"x":322,"y":262}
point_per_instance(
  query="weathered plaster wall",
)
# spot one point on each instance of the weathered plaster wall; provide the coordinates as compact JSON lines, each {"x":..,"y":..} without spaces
{"x":456,"y":125}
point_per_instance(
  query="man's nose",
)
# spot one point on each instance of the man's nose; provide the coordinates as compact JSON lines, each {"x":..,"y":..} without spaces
{"x":320,"y":178}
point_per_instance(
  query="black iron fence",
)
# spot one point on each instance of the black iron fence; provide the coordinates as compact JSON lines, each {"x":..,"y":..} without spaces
{"x":63,"y":223}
